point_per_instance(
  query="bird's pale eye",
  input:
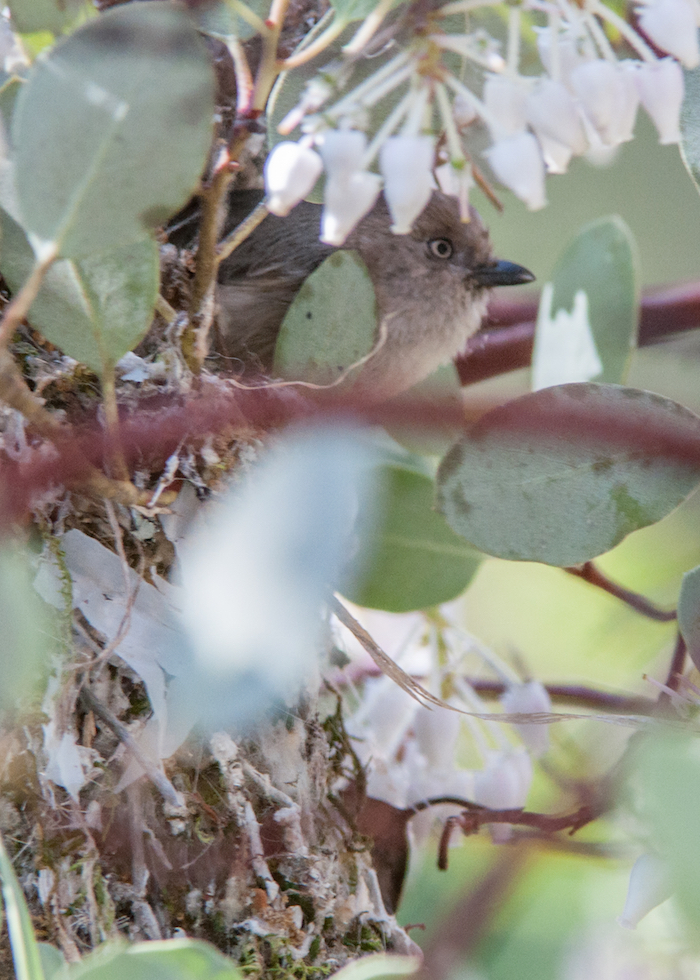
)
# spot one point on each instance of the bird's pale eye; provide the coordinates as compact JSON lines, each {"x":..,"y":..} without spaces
{"x":441,"y":248}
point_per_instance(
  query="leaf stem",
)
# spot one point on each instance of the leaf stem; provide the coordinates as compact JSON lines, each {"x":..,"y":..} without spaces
{"x":589,"y":573}
{"x":317,"y":46}
{"x":109,"y":403}
{"x":20,"y":304}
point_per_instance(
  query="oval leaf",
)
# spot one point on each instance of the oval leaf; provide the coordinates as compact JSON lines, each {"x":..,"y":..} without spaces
{"x":332,"y":322}
{"x":45,"y":15}
{"x":689,"y":613}
{"x":601,"y":263}
{"x":94,"y":309}
{"x":113,"y":127}
{"x":413,"y":559}
{"x":563,"y":475}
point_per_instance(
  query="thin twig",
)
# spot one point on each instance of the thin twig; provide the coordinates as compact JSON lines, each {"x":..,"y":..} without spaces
{"x":19,"y":306}
{"x":589,"y":573}
{"x":241,"y":232}
{"x":675,"y":670}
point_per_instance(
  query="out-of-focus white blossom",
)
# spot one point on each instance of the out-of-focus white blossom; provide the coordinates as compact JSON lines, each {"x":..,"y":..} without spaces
{"x":517,"y":162}
{"x":529,"y":698}
{"x":506,"y":99}
{"x":648,"y":887}
{"x":464,"y":111}
{"x":318,"y":90}
{"x":504,"y":784}
{"x":568,"y":55}
{"x":350,"y":192}
{"x":436,"y":732}
{"x":555,"y":118}
{"x":457,"y":181}
{"x":609,"y":97}
{"x":660,"y":86}
{"x":406,"y":165}
{"x":291,"y":171}
{"x":672,"y":26}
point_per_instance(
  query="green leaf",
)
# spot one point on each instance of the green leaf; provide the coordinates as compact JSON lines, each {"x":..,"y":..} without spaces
{"x":113,"y":128}
{"x":439,"y":386}
{"x":26,"y":627}
{"x":52,"y":960}
{"x":224,"y":20}
{"x":332,"y":322}
{"x":413,"y":560}
{"x":25,"y":950}
{"x":46,"y":15}
{"x":379,"y":965}
{"x":689,"y":613}
{"x":544,"y":478}
{"x":350,"y":10}
{"x":668,"y":774}
{"x":166,"y":959}
{"x":94,"y":309}
{"x":602,"y":262}
{"x":690,"y":124}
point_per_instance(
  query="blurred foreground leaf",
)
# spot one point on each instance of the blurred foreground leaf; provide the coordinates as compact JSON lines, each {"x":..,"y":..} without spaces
{"x":25,"y":949}
{"x":25,"y":628}
{"x":332,"y":322}
{"x":112,"y":130}
{"x":94,"y":309}
{"x":540,"y":479}
{"x":164,"y":959}
{"x":45,"y":15}
{"x":414,"y":559}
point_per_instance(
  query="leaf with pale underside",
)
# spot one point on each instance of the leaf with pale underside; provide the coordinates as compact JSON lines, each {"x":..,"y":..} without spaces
{"x":94,"y":309}
{"x":563,"y":475}
{"x":112,"y":129}
{"x":413,"y":559}
{"x":331,"y":324}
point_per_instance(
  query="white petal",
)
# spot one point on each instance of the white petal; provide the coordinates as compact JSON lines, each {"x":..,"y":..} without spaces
{"x":291,"y":171}
{"x":436,"y":733}
{"x":553,"y":113}
{"x":660,"y":87}
{"x":556,"y":156}
{"x":517,"y":162}
{"x":342,"y":151}
{"x":505,"y":99}
{"x":406,"y":164}
{"x":649,"y":886}
{"x":347,"y":201}
{"x":505,"y":781}
{"x":609,"y":97}
{"x":463,"y":111}
{"x":671,"y":26}
{"x":529,"y":698}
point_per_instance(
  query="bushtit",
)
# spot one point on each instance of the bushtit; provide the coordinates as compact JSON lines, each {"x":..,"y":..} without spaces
{"x":431,"y":286}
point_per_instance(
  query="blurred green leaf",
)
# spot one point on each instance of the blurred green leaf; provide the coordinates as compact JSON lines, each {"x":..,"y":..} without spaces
{"x":223,"y":19}
{"x":8,"y":97}
{"x":94,"y":309}
{"x":440,"y":386}
{"x":25,"y":627}
{"x":332,"y":322}
{"x":414,"y":560}
{"x":52,"y":960}
{"x":113,"y":128}
{"x":350,"y":10}
{"x":689,"y":613}
{"x":25,"y":950}
{"x":165,"y":959}
{"x":690,"y":124}
{"x":55,"y":16}
{"x":544,"y":493}
{"x":602,"y":262}
{"x":379,"y":965}
{"x":668,"y":773}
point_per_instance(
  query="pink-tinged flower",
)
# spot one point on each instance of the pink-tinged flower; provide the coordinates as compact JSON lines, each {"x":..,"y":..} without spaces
{"x":554,"y":115}
{"x":291,"y":171}
{"x":517,"y":162}
{"x":609,"y":97}
{"x":527,"y":699}
{"x":503,"y":784}
{"x":345,"y":202}
{"x":672,"y":26}
{"x":406,"y":165}
{"x":660,"y":86}
{"x":648,"y":887}
{"x":505,"y":99}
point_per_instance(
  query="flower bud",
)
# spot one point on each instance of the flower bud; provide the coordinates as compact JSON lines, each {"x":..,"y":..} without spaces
{"x":345,"y":202}
{"x":671,"y":25}
{"x":505,"y":99}
{"x":529,"y":698}
{"x":648,"y":887}
{"x":406,"y":164}
{"x":517,"y":163}
{"x":291,"y":170}
{"x":660,"y":87}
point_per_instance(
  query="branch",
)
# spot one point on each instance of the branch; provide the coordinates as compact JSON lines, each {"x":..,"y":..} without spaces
{"x":589,"y":573}
{"x":578,"y":694}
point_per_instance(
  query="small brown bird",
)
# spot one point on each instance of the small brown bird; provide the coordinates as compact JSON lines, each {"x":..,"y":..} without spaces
{"x":431,"y":286}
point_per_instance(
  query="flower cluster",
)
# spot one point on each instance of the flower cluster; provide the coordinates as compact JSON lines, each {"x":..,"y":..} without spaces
{"x":583,"y":102}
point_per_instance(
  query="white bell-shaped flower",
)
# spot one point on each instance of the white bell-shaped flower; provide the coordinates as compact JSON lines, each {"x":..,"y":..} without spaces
{"x":291,"y":171}
{"x":553,"y":113}
{"x":436,"y":733}
{"x":406,"y":165}
{"x":671,"y":25}
{"x":609,"y":97}
{"x":456,"y":181}
{"x":345,"y":202}
{"x":568,"y":50}
{"x":342,"y":151}
{"x":505,"y":98}
{"x":648,"y":887}
{"x":464,"y":111}
{"x":660,"y":86}
{"x":526,"y":699}
{"x":517,"y":162}
{"x":556,"y":156}
{"x":503,"y":784}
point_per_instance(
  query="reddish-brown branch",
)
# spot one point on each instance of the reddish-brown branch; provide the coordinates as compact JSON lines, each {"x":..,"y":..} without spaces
{"x":506,"y":342}
{"x":675,"y":670}
{"x":579,"y":696}
{"x":589,"y":573}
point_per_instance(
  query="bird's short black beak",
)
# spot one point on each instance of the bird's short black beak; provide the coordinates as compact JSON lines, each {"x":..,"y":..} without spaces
{"x":501,"y":274}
